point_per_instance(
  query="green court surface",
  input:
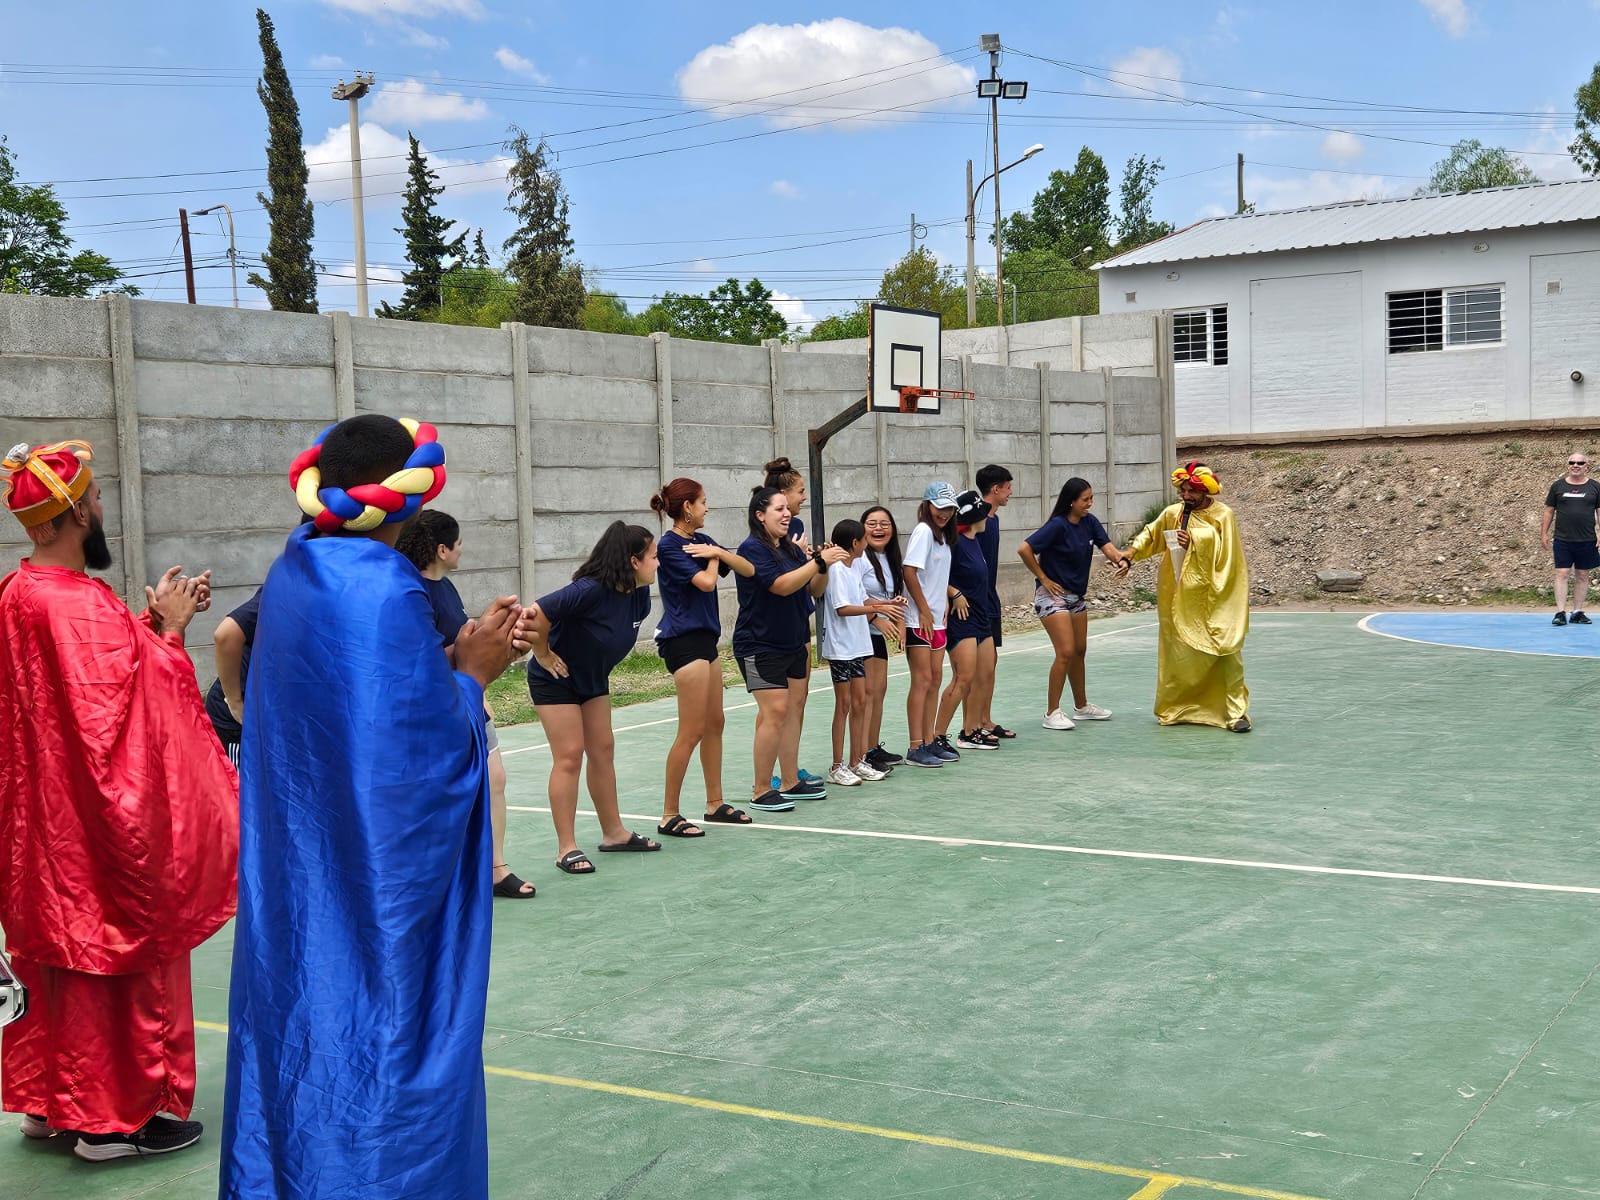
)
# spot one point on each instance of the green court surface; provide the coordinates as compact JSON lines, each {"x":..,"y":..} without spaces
{"x":1350,"y":955}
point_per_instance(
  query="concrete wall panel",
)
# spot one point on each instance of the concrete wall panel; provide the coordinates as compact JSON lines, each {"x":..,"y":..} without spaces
{"x":175,"y":504}
{"x":430,"y":396}
{"x":203,"y":389}
{"x":48,"y":327}
{"x":695,"y":403}
{"x":420,"y":346}
{"x":69,"y":388}
{"x":169,"y":446}
{"x":595,"y":399}
{"x":202,"y":333}
{"x":592,"y":444}
{"x":606,"y":355}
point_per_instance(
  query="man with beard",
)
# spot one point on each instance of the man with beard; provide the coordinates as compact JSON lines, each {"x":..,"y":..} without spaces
{"x":1203,"y":604}
{"x":119,"y":822}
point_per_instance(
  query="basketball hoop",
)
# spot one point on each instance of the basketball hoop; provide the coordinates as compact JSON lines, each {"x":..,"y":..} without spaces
{"x":911,"y":397}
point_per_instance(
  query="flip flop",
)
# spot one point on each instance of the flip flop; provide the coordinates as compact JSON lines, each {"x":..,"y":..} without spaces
{"x":727,"y":814}
{"x":636,"y":841}
{"x":511,"y":887}
{"x":678,"y":826}
{"x":575,"y":862}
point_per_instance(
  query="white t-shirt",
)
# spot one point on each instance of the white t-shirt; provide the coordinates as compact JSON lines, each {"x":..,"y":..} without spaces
{"x":869,"y":578}
{"x":844,"y":637}
{"x":932,"y":562}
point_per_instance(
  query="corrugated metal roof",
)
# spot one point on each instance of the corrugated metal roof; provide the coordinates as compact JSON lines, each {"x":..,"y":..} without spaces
{"x":1358,"y":222}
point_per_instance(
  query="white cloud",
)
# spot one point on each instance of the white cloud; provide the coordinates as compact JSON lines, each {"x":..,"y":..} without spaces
{"x":383,"y":163}
{"x":1317,"y":187}
{"x":388,"y":10}
{"x":1342,"y":147}
{"x":409,"y":102}
{"x":782,"y":187}
{"x":327,"y":62}
{"x":1553,"y":162}
{"x":378,"y":275}
{"x":412,"y":36}
{"x":703,"y":266}
{"x":796,"y":69}
{"x":1146,"y":69}
{"x":793,"y":309}
{"x":1450,"y":15}
{"x":517,"y":65}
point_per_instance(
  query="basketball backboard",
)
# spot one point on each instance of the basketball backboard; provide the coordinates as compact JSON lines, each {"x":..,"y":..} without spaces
{"x":902,"y":351}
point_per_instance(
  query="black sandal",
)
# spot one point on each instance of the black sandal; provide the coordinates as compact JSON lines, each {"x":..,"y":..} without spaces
{"x":1000,"y":731}
{"x":727,"y":814}
{"x":510,"y":888}
{"x":575,"y":862}
{"x":678,"y":825}
{"x":636,"y":841}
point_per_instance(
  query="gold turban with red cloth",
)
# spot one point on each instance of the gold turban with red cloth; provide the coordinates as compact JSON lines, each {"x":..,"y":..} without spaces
{"x":1197,"y":474}
{"x":42,"y":482}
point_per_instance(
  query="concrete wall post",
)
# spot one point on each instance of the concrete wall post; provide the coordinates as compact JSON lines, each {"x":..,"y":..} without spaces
{"x":522,"y":431}
{"x":665,"y":462}
{"x":1045,"y":488}
{"x":1161,"y":342}
{"x":1108,"y":396}
{"x":344,"y":368}
{"x":780,"y":418}
{"x":969,"y":436}
{"x":125,"y":398}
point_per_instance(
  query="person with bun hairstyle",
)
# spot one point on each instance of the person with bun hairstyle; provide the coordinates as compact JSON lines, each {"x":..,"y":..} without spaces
{"x":970,"y":633}
{"x":690,"y":565}
{"x":786,"y":477}
{"x":927,"y":576}
{"x":432,"y":541}
{"x":772,"y":643}
{"x":580,"y":633}
{"x":883,"y":579}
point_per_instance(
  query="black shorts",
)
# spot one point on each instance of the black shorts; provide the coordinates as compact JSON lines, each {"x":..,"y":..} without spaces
{"x":764,"y":672}
{"x":685,"y":648}
{"x":880,"y":647}
{"x":1583,"y":555}
{"x":994,"y":630}
{"x":557,"y":691}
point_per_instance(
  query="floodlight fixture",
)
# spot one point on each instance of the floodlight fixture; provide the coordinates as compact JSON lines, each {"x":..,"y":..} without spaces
{"x":989,"y":89}
{"x":989,"y":43}
{"x":1013,"y":90}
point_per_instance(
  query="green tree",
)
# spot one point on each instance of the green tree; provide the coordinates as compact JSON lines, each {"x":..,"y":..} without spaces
{"x":917,"y":281}
{"x":35,"y":252}
{"x":606,"y":312}
{"x":480,"y":296}
{"x":480,"y":254}
{"x":426,"y":234}
{"x":1471,"y":165}
{"x":839,"y":326}
{"x":1072,"y":211}
{"x":1136,"y":223}
{"x":728,"y":313}
{"x":1042,"y":285}
{"x":1586,"y":146}
{"x":540,"y":259}
{"x":291,"y":279}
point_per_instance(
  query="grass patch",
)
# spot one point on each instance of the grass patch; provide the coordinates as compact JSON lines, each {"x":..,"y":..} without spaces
{"x":1524,"y":597}
{"x":1512,"y":449}
{"x":1143,"y":595}
{"x":1151,"y":513}
{"x":640,"y":677}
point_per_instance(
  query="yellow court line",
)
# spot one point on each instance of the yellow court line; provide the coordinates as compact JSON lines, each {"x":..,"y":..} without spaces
{"x":1158,"y":1186}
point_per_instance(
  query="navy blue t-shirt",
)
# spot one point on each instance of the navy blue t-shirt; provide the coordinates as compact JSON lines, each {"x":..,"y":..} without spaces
{"x":684,"y":607}
{"x":592,"y":629}
{"x":1066,"y":551}
{"x":797,"y":530}
{"x":989,"y":542}
{"x":449,"y":614}
{"x":969,"y":575}
{"x":216,"y":704}
{"x":769,"y":624}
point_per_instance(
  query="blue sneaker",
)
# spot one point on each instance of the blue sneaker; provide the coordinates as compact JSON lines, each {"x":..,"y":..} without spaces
{"x":806,"y":789}
{"x":921,"y":756}
{"x":805,"y":777}
{"x":942,"y":747}
{"x":772,"y":802}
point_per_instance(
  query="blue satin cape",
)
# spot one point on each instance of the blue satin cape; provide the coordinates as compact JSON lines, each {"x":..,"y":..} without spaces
{"x":361,"y":951}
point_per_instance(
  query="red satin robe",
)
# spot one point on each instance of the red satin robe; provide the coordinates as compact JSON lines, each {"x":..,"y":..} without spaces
{"x":119,"y":836}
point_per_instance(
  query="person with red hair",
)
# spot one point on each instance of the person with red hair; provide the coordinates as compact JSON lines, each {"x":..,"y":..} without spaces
{"x":119,"y":814}
{"x":1203,"y":605}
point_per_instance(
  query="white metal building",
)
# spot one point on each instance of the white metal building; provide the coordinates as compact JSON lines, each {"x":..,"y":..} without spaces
{"x":1466,"y":307}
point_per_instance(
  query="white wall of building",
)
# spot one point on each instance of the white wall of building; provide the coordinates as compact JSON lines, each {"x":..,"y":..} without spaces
{"x":1308,"y":337}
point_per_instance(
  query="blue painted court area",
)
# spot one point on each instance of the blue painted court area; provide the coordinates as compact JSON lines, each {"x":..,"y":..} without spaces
{"x":1509,"y":633}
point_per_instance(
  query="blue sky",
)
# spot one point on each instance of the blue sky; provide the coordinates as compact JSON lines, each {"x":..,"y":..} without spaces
{"x":852,"y":123}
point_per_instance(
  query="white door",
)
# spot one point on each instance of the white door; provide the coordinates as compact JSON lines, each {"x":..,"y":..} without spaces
{"x":1305,"y":353}
{"x":1564,"y":334}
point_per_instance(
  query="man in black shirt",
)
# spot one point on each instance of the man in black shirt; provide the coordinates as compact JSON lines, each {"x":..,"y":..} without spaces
{"x":1573,"y":504}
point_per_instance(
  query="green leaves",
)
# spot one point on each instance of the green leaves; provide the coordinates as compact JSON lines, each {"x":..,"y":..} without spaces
{"x":1471,"y":165}
{"x":728,"y":313}
{"x":35,"y":252}
{"x":291,"y":279}
{"x":549,"y":281}
{"x":1586,"y":146}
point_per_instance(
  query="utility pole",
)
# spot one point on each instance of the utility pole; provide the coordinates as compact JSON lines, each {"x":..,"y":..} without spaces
{"x":233,"y":251}
{"x":994,"y":114}
{"x":353,"y":93}
{"x":188,"y":256}
{"x":1241,"y":182}
{"x":917,"y":231}
{"x":972,"y":266}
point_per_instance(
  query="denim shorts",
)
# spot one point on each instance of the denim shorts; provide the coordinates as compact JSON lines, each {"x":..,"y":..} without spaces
{"x":1047,"y":605}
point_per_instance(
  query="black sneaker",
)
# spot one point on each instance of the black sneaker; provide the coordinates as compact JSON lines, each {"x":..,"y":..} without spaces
{"x":771,"y":801}
{"x":160,"y":1135}
{"x":806,"y":789}
{"x":883,"y":759}
{"x":1559,"y":619}
{"x":942,"y":747}
{"x":1242,"y":725}
{"x":1579,"y":619}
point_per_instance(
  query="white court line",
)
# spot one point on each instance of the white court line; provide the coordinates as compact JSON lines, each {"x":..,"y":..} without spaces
{"x":828,"y":687}
{"x":1145,"y":856}
{"x":1365,"y":628}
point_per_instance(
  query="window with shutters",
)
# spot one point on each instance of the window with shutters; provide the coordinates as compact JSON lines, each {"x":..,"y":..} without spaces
{"x":1200,"y":335}
{"x":1440,"y":318}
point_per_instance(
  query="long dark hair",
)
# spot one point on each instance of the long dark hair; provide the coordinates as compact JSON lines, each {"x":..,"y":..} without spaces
{"x":759,"y":500}
{"x":610,"y":563}
{"x":897,"y":575}
{"x":1070,"y":491}
{"x":424,"y":534}
{"x":925,"y":517}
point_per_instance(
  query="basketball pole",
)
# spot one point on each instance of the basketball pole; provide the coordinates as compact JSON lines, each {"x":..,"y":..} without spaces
{"x":816,"y":441}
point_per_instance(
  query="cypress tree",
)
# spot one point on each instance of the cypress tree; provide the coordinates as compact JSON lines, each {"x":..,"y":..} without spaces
{"x":426,"y":249}
{"x":548,"y":279}
{"x":480,"y":254}
{"x":291,"y":280}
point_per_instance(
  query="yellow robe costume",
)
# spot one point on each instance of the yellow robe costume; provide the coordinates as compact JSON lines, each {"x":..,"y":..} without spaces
{"x":1204,"y":617}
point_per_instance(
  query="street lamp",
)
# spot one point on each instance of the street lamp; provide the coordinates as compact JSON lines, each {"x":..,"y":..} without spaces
{"x":972,"y":228}
{"x":233,"y":253}
{"x":353,"y":93}
{"x":993,"y":89}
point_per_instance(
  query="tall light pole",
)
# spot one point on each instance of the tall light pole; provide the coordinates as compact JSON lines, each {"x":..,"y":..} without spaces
{"x":233,"y":253}
{"x":972,"y":227}
{"x":353,"y":93}
{"x":994,"y":89}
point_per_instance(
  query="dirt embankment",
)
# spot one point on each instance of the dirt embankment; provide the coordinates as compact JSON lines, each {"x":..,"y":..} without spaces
{"x":1437,"y":520}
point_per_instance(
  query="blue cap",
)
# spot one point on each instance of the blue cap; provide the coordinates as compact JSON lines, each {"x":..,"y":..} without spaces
{"x":940,"y":495}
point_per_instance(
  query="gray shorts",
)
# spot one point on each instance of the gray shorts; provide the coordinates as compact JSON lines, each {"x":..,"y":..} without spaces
{"x":490,"y":735}
{"x":1047,"y":605}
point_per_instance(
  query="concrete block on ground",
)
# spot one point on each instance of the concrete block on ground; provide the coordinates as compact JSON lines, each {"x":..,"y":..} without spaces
{"x":54,"y":327}
{"x":212,"y":390}
{"x":202,"y":333}
{"x":1339,"y":579}
{"x":68,"y":388}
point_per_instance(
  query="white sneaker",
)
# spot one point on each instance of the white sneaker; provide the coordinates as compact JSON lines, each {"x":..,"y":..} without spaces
{"x":1057,"y":719}
{"x":844,"y":776}
{"x":37,"y":1127}
{"x":866,"y":772}
{"x":1091,"y":712}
